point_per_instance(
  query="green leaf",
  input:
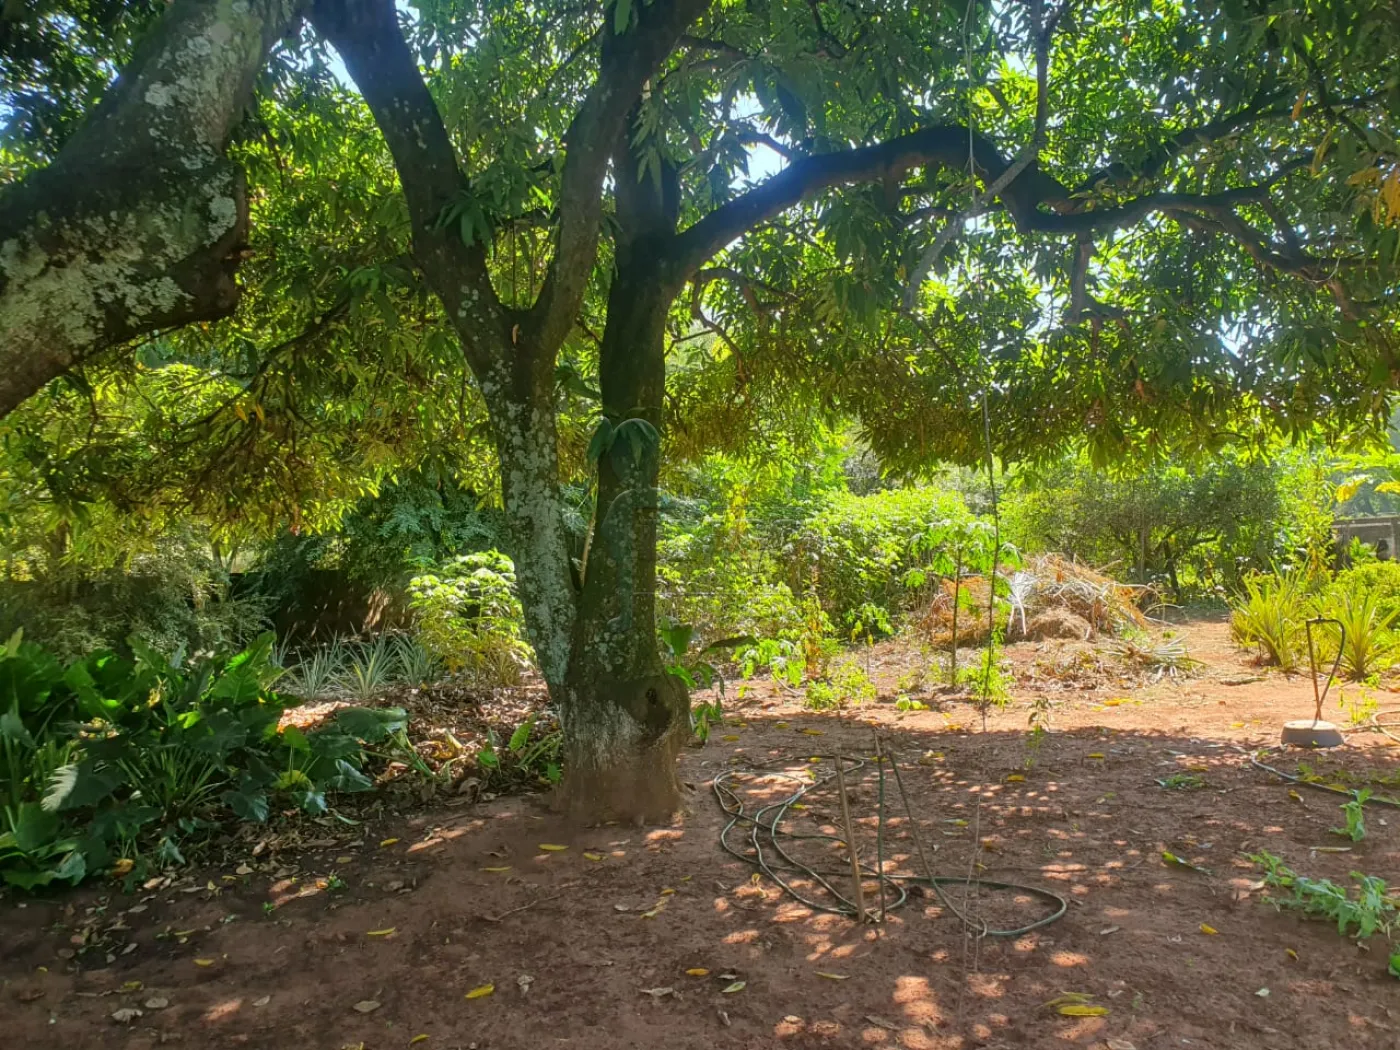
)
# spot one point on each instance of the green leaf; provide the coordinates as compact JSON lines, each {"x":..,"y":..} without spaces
{"x":601,"y":441}
{"x":12,"y":728}
{"x":348,"y":778}
{"x":372,"y":724}
{"x":33,"y":828}
{"x":295,"y":739}
{"x":247,"y":806}
{"x":622,"y":16}
{"x":521,"y":736}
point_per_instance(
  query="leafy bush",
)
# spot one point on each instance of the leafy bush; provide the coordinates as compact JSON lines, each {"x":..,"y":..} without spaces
{"x":715,"y":572}
{"x":173,"y":594}
{"x":1268,"y":614}
{"x":469,"y":616}
{"x":528,"y":757}
{"x":115,"y":759}
{"x":858,"y":550}
{"x":849,"y":684}
{"x":1372,"y":910}
{"x":1194,"y":527}
{"x":417,"y":665}
{"x":1379,"y":578}
{"x":316,"y":673}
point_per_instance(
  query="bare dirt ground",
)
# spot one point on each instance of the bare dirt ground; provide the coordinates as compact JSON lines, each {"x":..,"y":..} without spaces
{"x":373,"y":936}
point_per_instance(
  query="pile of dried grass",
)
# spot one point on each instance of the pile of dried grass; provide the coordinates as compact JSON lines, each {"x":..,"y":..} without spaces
{"x":1050,"y":583}
{"x":937,"y":621}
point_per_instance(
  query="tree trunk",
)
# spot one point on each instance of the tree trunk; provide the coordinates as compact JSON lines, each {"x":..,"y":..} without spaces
{"x":137,"y":225}
{"x":624,"y":716}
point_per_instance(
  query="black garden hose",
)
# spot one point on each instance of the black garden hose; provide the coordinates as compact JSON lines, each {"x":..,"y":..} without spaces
{"x":766,"y":854}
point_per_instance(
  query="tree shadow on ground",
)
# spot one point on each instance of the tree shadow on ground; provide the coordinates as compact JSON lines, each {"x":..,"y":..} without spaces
{"x":602,"y":943}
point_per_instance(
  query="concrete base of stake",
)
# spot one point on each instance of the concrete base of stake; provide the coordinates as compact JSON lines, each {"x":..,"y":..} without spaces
{"x":1307,"y":732}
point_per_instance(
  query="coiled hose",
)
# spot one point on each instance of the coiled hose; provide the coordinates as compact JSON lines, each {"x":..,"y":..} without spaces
{"x":766,"y":854}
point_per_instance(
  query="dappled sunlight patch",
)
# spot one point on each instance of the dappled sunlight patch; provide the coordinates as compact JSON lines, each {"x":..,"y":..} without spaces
{"x":1068,"y":958}
{"x":223,"y":1011}
{"x":987,"y":985}
{"x":741,"y":937}
{"x":789,"y":1026}
{"x":791,"y":911}
{"x":1083,"y":1029}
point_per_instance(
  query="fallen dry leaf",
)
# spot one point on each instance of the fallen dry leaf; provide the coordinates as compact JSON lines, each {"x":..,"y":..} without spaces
{"x":386,"y":932}
{"x":504,"y":867}
{"x":156,"y":1002}
{"x":126,"y":1015}
{"x":418,"y":1039}
{"x":262,"y":1000}
{"x":366,"y":1006}
{"x":737,"y":986}
{"x":1208,"y":929}
{"x":481,"y":991}
{"x":204,"y":962}
{"x":386,"y":842}
{"x":1083,"y":1010}
{"x":698,"y":971}
{"x":833,"y":976}
{"x":659,"y":993}
{"x":550,"y":847}
{"x":593,"y":856}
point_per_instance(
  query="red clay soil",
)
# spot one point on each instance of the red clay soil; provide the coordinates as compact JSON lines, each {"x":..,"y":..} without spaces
{"x":589,"y":946}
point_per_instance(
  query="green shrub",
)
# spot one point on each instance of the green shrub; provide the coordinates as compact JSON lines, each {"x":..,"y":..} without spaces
{"x":857,"y":550}
{"x":371,"y":667}
{"x":173,"y":594}
{"x":849,"y":684}
{"x":1268,"y":614}
{"x":1379,"y":578}
{"x":469,"y":616}
{"x":112,"y":758}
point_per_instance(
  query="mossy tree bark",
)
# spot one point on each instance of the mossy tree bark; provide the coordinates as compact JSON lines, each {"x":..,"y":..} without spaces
{"x":626,"y":717}
{"x":137,"y":224}
{"x":592,"y":626}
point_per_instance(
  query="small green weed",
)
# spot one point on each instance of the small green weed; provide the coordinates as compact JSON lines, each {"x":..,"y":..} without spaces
{"x":1372,"y":910}
{"x":1355,"y":813}
{"x":849,"y":684}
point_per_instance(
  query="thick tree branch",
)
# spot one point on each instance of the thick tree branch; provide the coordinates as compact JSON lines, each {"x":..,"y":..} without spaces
{"x":1028,"y":156}
{"x":139,"y":222}
{"x":369,"y":39}
{"x":627,"y":62}
{"x":1266,"y":107}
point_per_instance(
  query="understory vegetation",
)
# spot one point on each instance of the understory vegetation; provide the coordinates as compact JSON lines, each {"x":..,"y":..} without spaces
{"x":534,"y":377}
{"x":124,"y":751}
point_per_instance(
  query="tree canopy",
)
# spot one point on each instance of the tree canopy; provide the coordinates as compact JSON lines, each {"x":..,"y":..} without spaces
{"x":536,"y":242}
